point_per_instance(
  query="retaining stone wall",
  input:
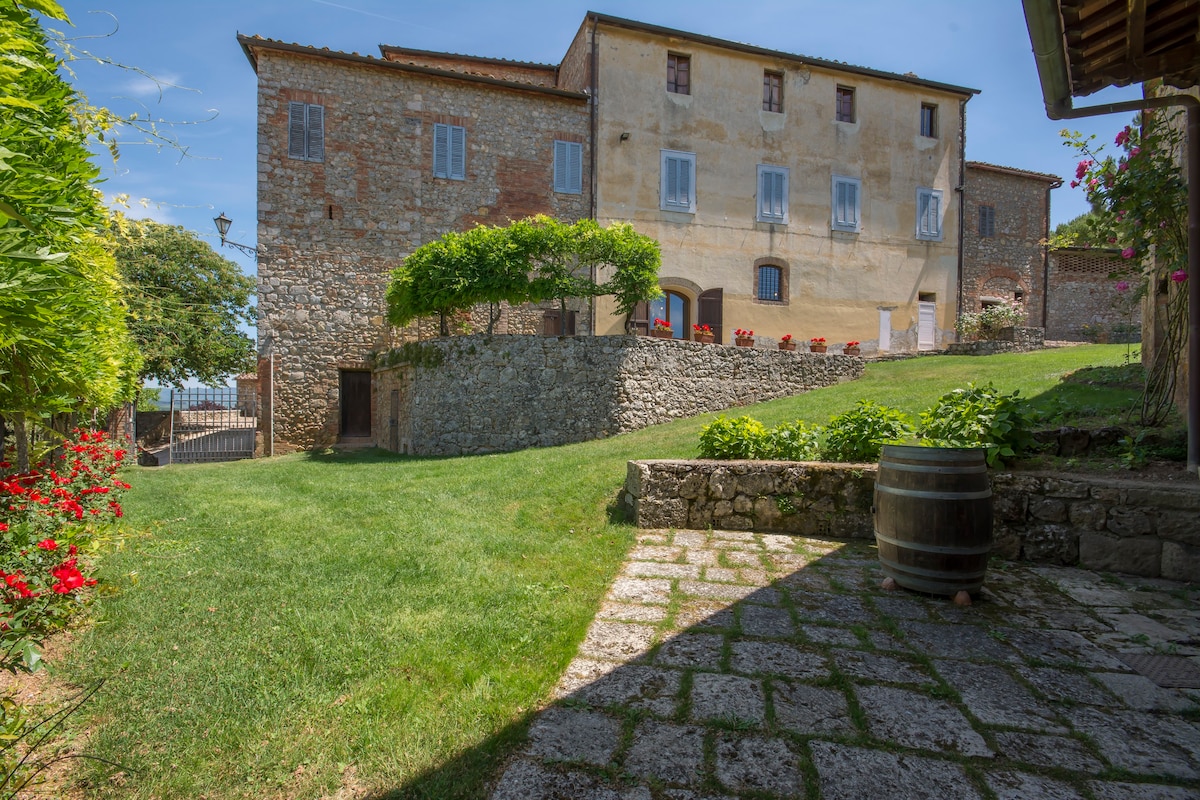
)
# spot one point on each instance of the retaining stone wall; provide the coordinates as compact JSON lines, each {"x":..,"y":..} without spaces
{"x":481,"y":394}
{"x":1084,"y":304}
{"x":1012,"y":340}
{"x":1125,"y":526}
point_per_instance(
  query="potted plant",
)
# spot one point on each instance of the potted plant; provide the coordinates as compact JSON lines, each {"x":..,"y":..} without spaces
{"x":852,"y":349}
{"x":662,"y":329}
{"x":743,"y":338}
{"x":817,"y":344}
{"x":786,"y":342}
{"x":702,"y":334}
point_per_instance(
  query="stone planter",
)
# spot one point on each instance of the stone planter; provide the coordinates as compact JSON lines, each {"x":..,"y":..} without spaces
{"x":744,"y":342}
{"x":703,"y":338}
{"x":817,"y":348}
{"x":852,"y":351}
{"x":662,"y":334}
{"x":787,"y":345}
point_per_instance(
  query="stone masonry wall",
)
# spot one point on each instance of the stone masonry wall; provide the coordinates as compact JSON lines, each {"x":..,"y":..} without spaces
{"x":1012,"y":260}
{"x":1011,"y":340}
{"x":1099,"y":523}
{"x":479,"y":394}
{"x":330,"y":232}
{"x":1084,"y":302}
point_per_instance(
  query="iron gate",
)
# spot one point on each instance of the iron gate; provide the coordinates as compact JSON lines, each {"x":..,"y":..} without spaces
{"x":212,"y":425}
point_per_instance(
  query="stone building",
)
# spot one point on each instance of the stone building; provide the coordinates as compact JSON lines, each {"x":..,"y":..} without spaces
{"x":1006,"y":225}
{"x":789,"y":194}
{"x":1085,"y":303}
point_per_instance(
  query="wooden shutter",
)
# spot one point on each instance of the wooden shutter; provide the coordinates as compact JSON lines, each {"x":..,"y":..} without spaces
{"x":685,"y":182}
{"x":560,"y":166}
{"x":315,"y":130}
{"x":710,"y":311}
{"x":441,"y":151}
{"x":296,"y":120}
{"x":672,"y":181}
{"x":575,"y":167}
{"x":458,"y":152}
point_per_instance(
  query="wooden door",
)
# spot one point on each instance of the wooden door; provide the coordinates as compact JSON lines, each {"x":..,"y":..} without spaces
{"x":710,"y":311}
{"x":356,"y":402}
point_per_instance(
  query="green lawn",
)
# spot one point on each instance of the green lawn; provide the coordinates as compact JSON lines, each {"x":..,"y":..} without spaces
{"x":279,"y":627}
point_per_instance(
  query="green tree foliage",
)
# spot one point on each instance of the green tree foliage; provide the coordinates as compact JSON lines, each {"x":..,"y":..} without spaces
{"x":185,"y":303}
{"x":531,"y":260}
{"x":64,"y":344}
{"x":1091,"y":229}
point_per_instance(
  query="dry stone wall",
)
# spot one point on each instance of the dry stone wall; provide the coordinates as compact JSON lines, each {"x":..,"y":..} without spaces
{"x":1124,"y":526}
{"x":1085,"y":304}
{"x":480,"y":394}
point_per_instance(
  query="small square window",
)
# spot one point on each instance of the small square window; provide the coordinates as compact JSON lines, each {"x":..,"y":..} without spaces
{"x":773,"y":92}
{"x":987,"y":221}
{"x":679,"y":74}
{"x":929,"y":120}
{"x":845,"y":104}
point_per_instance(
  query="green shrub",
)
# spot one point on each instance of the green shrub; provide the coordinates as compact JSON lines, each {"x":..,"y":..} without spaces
{"x":742,"y":437}
{"x":794,"y":441}
{"x":858,"y":434}
{"x":981,"y":416}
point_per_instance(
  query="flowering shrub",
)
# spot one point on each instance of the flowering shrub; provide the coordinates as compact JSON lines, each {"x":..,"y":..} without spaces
{"x":47,"y":516}
{"x":661,"y":324}
{"x":988,"y":323}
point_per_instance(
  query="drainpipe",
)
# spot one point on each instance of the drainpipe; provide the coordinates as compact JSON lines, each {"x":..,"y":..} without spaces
{"x":592,"y":156}
{"x":1046,"y":260}
{"x":962,"y":201}
{"x":1046,"y":35}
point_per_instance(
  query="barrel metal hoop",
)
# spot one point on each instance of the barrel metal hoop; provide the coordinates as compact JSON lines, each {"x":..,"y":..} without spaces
{"x":942,"y":469}
{"x":934,"y":495}
{"x":977,"y":550}
{"x":954,"y":577}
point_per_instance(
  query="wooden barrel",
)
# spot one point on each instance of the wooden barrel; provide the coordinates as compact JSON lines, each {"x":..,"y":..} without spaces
{"x":933,"y":517}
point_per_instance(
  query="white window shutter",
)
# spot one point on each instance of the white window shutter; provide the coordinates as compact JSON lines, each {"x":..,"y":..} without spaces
{"x":779,"y":195}
{"x":296,"y":120}
{"x":458,"y":152}
{"x":315,"y":147}
{"x":851,"y":217}
{"x":685,"y":182}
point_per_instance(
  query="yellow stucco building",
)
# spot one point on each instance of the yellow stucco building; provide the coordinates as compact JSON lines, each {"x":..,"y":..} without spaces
{"x":789,"y":194}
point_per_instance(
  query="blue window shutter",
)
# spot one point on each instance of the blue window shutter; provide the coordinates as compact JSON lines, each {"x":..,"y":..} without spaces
{"x":560,"y":166}
{"x":673,"y":181}
{"x":315,"y":147}
{"x":685,"y":182}
{"x":779,"y":196}
{"x":441,"y":151}
{"x":677,"y":181}
{"x":296,"y":125}
{"x":458,"y":152}
{"x":575,"y":168}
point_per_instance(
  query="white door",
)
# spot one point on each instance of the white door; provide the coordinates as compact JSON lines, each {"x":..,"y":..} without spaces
{"x":885,"y":329}
{"x":926,"y":314}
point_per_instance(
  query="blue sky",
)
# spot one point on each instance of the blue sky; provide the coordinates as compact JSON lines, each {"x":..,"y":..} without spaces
{"x":206,"y":84}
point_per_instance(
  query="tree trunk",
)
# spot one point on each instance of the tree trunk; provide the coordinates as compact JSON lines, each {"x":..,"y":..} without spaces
{"x":22,"y":441}
{"x":443,"y":326}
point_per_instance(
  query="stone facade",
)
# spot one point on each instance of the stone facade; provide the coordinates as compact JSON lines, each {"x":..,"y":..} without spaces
{"x":481,"y":394}
{"x":1124,"y":526}
{"x":1004,"y":232}
{"x":1011,"y":340}
{"x":1084,"y":303}
{"x":331,"y":230}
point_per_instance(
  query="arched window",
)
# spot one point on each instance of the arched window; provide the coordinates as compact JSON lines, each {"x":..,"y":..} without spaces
{"x":675,"y":308}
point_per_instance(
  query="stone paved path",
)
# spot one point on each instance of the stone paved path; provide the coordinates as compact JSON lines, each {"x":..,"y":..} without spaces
{"x":736,"y":665}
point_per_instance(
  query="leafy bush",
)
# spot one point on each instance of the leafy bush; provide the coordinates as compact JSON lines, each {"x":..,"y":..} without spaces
{"x":988,"y":323}
{"x":859,"y":434}
{"x":742,"y":437}
{"x":794,"y":441}
{"x":981,"y":416}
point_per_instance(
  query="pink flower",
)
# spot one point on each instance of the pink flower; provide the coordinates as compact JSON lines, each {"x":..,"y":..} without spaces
{"x":1082,"y":168}
{"x":1074,"y":184}
{"x":1122,"y":286}
{"x":1123,"y":136}
{"x":1127,"y":252}
{"x":1112,"y":240}
{"x":1135,"y":152}
{"x":1124,"y":166}
{"x":1179,"y":276}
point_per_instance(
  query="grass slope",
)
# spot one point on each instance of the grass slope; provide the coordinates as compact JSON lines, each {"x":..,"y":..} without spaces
{"x":284,"y":627}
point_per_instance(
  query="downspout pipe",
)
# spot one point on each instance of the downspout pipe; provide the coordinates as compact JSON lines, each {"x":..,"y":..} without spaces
{"x":592,"y":156}
{"x":962,"y":201}
{"x":1046,"y":35}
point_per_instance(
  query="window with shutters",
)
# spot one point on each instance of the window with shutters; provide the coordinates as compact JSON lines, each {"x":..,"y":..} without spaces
{"x":568,"y":167}
{"x":845,"y":104}
{"x":929,"y":121}
{"x":987,"y":221}
{"x":773,"y":91}
{"x":772,"y":194}
{"x":677,"y":188}
{"x":450,"y":152}
{"x":929,"y":214}
{"x":847,"y":204}
{"x":679,"y":73}
{"x":306,"y":131}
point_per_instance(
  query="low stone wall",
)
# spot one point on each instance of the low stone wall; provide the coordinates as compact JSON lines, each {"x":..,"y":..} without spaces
{"x":1099,"y":523}
{"x":480,"y":394}
{"x":1010,"y":340}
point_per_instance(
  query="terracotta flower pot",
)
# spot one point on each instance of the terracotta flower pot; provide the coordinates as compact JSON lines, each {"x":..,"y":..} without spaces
{"x":852,"y":351}
{"x":703,"y":338}
{"x":787,"y":345}
{"x":662,"y":334}
{"x":744,"y":342}
{"x":817,"y":348}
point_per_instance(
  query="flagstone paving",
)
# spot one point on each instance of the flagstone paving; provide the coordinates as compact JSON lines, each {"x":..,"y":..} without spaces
{"x":727,"y":664}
